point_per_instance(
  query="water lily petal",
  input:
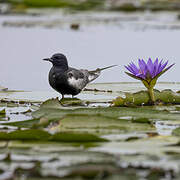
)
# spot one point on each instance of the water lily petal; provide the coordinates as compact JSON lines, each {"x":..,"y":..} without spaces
{"x":141,"y":65}
{"x":145,"y":67}
{"x":134,"y":67}
{"x":163,"y":65}
{"x":169,"y":67}
{"x":159,"y":67}
{"x":163,"y":71}
{"x":141,"y":76}
{"x":130,"y":69}
{"x":155,"y":68}
{"x":150,"y":67}
{"x":142,"y":69}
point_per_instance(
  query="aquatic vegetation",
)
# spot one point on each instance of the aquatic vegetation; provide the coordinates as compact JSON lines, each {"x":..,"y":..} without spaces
{"x":142,"y":98}
{"x":127,"y":6}
{"x":2,"y":112}
{"x":76,"y":5}
{"x":148,"y":73}
{"x":69,"y":140}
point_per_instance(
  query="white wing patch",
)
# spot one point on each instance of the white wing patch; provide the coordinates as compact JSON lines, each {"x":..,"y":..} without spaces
{"x":93,"y":76}
{"x":76,"y":83}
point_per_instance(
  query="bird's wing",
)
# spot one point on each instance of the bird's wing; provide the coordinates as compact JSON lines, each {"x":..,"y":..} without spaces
{"x":77,"y":78}
{"x":92,"y":75}
{"x":80,"y":78}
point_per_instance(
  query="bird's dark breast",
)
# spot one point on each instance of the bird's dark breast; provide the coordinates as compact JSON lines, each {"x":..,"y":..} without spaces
{"x":60,"y":84}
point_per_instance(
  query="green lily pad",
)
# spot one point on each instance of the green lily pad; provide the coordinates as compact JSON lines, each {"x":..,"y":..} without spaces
{"x":142,"y":98}
{"x":72,"y":102}
{"x":141,"y":120}
{"x":57,"y":111}
{"x":41,"y":135}
{"x":176,"y":132}
{"x":32,"y":123}
{"x":25,"y":135}
{"x":100,"y":125}
{"x":3,"y":112}
{"x":76,"y":137}
{"x":168,"y":96}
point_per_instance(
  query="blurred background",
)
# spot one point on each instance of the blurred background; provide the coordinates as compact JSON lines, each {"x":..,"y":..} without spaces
{"x":91,"y":33}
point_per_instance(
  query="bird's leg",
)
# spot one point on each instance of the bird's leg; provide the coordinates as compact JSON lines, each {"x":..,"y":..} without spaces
{"x":61,"y":100}
{"x":62,"y":96}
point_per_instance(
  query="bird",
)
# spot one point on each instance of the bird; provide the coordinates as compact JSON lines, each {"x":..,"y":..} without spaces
{"x":67,"y":80}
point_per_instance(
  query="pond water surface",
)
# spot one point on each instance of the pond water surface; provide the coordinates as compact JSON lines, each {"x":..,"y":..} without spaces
{"x":103,"y":39}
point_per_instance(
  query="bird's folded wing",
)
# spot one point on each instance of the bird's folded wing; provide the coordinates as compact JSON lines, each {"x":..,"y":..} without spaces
{"x":77,"y":78}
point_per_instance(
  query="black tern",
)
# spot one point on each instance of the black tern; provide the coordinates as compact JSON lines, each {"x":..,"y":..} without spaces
{"x":67,"y":80}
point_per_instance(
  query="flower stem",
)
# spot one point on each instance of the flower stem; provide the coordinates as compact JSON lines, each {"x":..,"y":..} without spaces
{"x":151,"y":96}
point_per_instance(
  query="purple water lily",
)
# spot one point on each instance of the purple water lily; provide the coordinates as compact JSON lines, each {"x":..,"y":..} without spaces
{"x":149,"y":70}
{"x":148,"y":73}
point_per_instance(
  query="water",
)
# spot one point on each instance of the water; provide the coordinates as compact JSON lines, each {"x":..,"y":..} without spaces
{"x":166,"y":128}
{"x":97,"y":44}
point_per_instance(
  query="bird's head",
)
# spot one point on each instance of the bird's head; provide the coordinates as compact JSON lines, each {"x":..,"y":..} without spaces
{"x":58,"y":60}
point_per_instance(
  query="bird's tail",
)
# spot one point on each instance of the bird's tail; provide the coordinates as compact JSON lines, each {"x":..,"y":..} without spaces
{"x":94,"y":74}
{"x":101,"y":69}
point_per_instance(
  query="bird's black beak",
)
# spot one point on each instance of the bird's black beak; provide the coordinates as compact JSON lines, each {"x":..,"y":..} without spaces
{"x":47,"y":59}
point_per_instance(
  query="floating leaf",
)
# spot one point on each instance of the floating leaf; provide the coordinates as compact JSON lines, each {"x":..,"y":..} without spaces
{"x":141,"y":120}
{"x":24,"y":124}
{"x":57,"y":112}
{"x":142,"y":98}
{"x":100,"y":125}
{"x":41,"y":135}
{"x":76,"y":137}
{"x":31,"y":134}
{"x":72,"y":102}
{"x":176,"y":132}
{"x":168,"y":96}
{"x":3,"y":112}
